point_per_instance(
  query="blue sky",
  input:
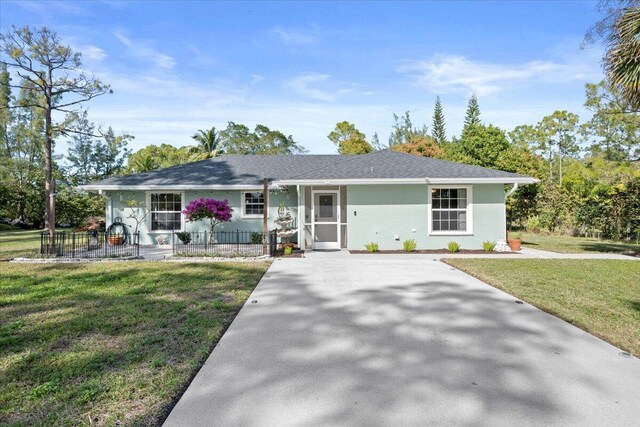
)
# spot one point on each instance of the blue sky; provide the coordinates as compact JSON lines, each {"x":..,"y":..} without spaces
{"x":176,"y":67}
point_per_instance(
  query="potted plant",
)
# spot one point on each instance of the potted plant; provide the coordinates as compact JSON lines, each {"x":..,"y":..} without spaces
{"x":514,"y":240}
{"x":115,"y":240}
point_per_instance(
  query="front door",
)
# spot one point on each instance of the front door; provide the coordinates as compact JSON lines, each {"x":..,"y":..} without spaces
{"x":326,"y":220}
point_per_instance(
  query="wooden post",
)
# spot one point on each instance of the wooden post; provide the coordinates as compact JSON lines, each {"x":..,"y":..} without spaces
{"x":265,"y":213}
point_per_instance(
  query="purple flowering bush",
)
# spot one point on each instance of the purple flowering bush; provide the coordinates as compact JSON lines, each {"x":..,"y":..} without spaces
{"x":216,"y":211}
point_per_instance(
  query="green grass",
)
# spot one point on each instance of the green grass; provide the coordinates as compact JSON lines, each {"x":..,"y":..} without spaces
{"x":600,"y":296}
{"x":110,"y":343}
{"x":15,"y":242}
{"x":569,"y":244}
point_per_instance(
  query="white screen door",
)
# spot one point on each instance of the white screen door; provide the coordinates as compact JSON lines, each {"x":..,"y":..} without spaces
{"x":326,"y":220}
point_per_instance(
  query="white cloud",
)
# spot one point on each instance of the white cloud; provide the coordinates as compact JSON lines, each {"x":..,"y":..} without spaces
{"x":256,"y":78}
{"x":307,"y":85}
{"x":93,"y":53}
{"x":294,"y":37}
{"x":143,"y":50}
{"x":454,"y":73}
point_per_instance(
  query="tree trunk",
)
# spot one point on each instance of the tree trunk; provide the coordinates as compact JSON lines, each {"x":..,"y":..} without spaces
{"x":560,"y":160}
{"x":49,"y":184}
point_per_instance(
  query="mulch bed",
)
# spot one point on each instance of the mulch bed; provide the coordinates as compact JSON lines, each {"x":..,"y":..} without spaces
{"x":432,"y":251}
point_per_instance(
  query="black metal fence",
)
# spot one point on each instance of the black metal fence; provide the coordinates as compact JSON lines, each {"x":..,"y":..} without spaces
{"x":224,"y":243}
{"x":90,"y":244}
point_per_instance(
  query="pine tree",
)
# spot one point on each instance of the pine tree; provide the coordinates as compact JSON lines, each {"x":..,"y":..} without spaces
{"x":375,"y":142}
{"x":473,"y":112}
{"x":438,"y":128}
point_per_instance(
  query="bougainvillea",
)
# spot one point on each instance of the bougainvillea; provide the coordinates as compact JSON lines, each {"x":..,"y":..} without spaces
{"x":216,"y":211}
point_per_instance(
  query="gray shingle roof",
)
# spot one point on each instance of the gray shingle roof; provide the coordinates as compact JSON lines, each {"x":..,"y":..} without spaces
{"x":251,"y":170}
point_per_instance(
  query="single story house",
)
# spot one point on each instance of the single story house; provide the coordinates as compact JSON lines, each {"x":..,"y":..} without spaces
{"x":336,"y":201}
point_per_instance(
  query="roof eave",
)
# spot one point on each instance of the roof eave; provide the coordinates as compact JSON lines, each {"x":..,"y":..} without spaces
{"x":389,"y":181}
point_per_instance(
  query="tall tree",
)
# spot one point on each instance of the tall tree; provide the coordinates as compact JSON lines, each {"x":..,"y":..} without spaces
{"x":404,"y":131}
{"x":560,"y":131}
{"x":481,"y":145}
{"x":153,"y":157}
{"x":619,"y":29}
{"x":425,"y":146}
{"x":438,"y":131}
{"x":21,"y":168}
{"x":473,"y":112}
{"x":375,"y":142}
{"x":208,"y":141}
{"x":612,"y":131}
{"x":343,"y":131}
{"x":80,"y":155}
{"x":238,"y":139}
{"x":622,"y":58}
{"x":56,"y":74}
{"x":355,"y":144}
{"x":111,"y":153}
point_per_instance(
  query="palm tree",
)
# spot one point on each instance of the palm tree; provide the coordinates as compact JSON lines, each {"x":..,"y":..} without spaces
{"x":622,"y":60}
{"x":207,"y":144}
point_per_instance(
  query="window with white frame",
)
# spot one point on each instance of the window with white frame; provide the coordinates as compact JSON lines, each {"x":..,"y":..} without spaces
{"x":166,"y":211}
{"x":252,"y":204}
{"x":449,"y":210}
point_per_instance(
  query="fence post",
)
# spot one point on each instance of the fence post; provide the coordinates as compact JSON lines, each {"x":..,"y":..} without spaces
{"x":73,"y":245}
{"x":205,"y":240}
{"x":237,"y":241}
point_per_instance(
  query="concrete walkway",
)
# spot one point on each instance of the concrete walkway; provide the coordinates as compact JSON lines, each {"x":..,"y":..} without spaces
{"x":388,"y":340}
{"x":537,"y":253}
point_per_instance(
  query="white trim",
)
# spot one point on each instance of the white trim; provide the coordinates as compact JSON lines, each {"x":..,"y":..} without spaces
{"x":325,"y":245}
{"x":396,"y":181}
{"x":150,"y":215}
{"x":301,"y":209}
{"x":167,"y":187}
{"x":469,"y":231}
{"x":522,"y":180}
{"x":109,"y":211}
{"x":357,"y":181}
{"x":242,"y":205}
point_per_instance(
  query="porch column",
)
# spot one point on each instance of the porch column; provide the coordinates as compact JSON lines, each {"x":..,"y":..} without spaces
{"x":265,"y":215}
{"x":301,"y":236}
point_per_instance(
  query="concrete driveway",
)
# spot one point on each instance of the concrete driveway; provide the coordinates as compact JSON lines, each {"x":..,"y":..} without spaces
{"x":339,"y":339}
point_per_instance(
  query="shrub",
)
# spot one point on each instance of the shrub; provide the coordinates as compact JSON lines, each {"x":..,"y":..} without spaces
{"x":409,"y":245}
{"x":371,"y":247}
{"x":515,"y":236}
{"x":453,"y":247}
{"x":184,"y":236}
{"x":488,"y":246}
{"x":256,"y":238}
{"x":288,"y":250}
{"x":534,"y":224}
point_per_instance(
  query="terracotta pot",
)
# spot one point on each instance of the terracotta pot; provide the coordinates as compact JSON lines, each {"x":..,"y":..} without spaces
{"x":115,"y":240}
{"x":514,"y":244}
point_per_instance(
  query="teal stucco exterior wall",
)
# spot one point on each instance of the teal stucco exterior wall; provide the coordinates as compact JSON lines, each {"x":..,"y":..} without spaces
{"x":117,"y":201}
{"x":390,"y":214}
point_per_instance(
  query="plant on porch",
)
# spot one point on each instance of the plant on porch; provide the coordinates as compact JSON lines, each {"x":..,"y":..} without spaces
{"x":216,"y":211}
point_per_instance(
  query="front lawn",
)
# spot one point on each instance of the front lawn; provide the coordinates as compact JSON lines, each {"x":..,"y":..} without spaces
{"x":570,"y":244}
{"x":600,"y":296}
{"x":110,"y":343}
{"x":15,"y":242}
